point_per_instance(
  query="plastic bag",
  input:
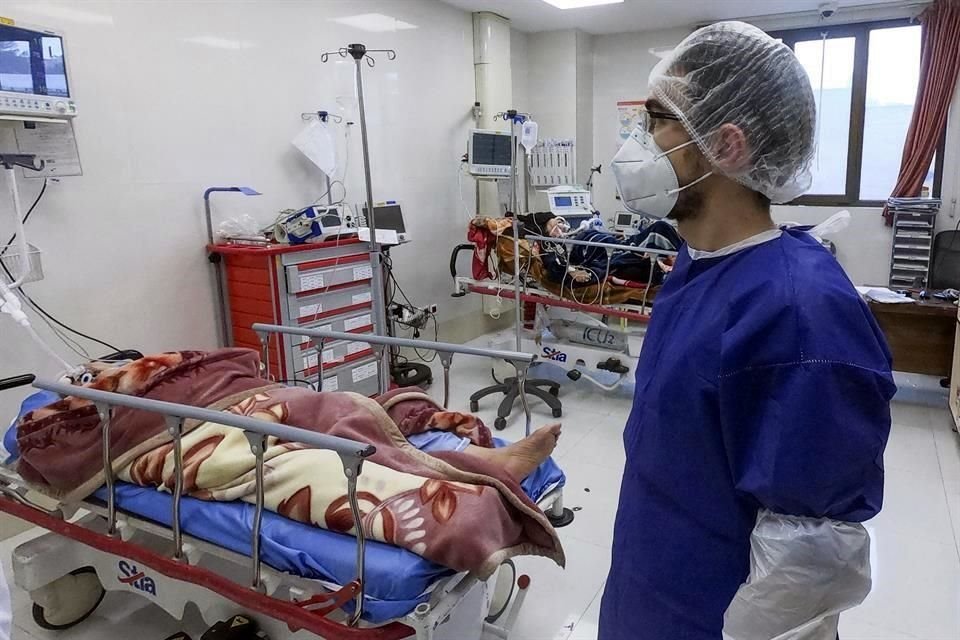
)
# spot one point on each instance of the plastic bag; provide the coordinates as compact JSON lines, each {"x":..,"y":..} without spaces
{"x":834,"y":224}
{"x":803,"y":573}
{"x":243,"y":225}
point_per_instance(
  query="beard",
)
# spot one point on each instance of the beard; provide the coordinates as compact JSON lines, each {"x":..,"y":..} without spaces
{"x":690,"y":201}
{"x":689,"y":204}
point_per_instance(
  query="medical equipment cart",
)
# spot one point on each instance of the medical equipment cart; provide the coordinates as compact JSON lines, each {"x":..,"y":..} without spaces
{"x":323,"y":286}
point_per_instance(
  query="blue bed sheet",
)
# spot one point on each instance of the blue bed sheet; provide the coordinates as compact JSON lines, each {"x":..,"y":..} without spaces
{"x":397,"y":580}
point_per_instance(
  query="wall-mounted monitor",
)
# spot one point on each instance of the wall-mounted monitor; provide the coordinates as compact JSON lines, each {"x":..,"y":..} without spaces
{"x":33,"y":72}
{"x":489,"y":153}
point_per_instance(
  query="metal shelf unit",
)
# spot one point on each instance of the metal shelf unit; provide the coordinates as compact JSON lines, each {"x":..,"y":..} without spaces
{"x":911,"y":255}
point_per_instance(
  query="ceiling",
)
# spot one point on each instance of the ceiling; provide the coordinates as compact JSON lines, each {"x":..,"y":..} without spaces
{"x":641,"y":15}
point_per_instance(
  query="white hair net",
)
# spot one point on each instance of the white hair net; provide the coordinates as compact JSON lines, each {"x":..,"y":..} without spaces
{"x":732,"y":72}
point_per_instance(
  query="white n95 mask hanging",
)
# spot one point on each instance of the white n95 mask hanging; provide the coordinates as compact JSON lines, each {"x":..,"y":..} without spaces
{"x":646,"y":180}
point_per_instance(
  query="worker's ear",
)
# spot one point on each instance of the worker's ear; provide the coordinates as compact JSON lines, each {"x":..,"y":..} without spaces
{"x":730,"y":150}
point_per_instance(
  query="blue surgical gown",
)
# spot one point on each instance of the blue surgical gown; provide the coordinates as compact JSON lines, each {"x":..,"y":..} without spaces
{"x":763,"y":382}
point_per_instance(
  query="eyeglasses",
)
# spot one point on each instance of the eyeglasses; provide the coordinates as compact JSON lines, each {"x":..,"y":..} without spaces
{"x":648,"y":118}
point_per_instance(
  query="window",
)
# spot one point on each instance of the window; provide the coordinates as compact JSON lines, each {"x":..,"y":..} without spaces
{"x":864,"y":79}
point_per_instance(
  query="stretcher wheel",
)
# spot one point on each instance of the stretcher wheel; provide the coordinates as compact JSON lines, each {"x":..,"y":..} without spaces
{"x":69,"y":600}
{"x":500,"y":424}
{"x":474,"y":406}
{"x":502,"y":591}
{"x":557,"y":413}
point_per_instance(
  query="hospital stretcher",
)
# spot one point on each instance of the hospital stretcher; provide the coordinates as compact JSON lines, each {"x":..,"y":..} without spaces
{"x":227,"y":558}
{"x":606,"y":337}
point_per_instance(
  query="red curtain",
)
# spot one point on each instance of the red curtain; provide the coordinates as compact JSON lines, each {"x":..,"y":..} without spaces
{"x":939,"y":65}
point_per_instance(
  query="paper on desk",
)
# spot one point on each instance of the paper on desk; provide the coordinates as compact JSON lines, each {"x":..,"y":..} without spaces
{"x":883,"y":295}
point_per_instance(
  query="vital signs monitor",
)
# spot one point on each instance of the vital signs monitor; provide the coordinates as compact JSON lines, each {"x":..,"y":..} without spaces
{"x":33,"y":72}
{"x":489,"y":153}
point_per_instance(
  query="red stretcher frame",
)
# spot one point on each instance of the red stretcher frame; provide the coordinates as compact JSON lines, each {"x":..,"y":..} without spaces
{"x":290,"y":613}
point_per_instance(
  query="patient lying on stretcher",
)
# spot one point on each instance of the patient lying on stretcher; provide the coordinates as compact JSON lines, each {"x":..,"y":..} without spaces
{"x":460,"y":508}
{"x":576,"y":266}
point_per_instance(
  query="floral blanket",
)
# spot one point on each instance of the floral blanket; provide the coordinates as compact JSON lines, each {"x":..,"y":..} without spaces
{"x":451,"y":508}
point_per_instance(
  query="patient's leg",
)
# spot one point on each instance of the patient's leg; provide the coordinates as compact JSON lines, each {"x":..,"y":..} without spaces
{"x":521,"y":458}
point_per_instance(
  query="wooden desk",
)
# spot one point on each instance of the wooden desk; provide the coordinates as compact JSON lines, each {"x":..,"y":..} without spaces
{"x":921,"y":334}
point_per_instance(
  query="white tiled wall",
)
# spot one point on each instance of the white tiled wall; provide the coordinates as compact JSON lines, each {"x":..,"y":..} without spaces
{"x":177,"y":96}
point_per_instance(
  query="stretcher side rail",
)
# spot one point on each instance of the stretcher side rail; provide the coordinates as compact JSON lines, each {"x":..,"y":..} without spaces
{"x":602,"y":245}
{"x":548,"y":299}
{"x":351,"y":453}
{"x":520,"y":361}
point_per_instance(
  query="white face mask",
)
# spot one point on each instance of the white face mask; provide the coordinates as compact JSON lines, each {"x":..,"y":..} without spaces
{"x":645,"y":178}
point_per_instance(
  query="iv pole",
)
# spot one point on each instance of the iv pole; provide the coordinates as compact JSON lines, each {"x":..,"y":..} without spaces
{"x":517,"y":119}
{"x":360,"y":52}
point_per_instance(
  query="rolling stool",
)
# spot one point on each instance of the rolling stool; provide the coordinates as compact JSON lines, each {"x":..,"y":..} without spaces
{"x":546,"y":390}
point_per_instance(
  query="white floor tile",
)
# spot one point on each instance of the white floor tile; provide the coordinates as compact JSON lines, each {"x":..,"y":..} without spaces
{"x":604,"y":444}
{"x":914,"y":507}
{"x":588,"y":628}
{"x":593,"y":492}
{"x":916,"y":588}
{"x":559,"y":598}
{"x":914,"y":415}
{"x":912,"y":449}
{"x":953,"y":504}
{"x":948,"y":452}
{"x":852,"y":628}
{"x":941,"y":419}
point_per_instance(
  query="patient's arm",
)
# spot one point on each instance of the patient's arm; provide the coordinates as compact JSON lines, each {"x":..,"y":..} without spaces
{"x":520,"y":459}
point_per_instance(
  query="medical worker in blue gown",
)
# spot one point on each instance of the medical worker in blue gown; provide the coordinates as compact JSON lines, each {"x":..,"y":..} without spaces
{"x":755,"y":443}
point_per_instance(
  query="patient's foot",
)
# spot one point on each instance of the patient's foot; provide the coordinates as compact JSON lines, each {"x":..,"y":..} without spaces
{"x":521,"y":458}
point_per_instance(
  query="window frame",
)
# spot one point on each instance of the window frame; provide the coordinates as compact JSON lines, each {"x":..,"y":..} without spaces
{"x":858,"y":101}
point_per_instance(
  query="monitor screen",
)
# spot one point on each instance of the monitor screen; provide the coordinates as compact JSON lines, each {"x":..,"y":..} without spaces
{"x":624,"y":219}
{"x":31,"y":62}
{"x":563,"y":201}
{"x":491,"y":148}
{"x":388,"y":217}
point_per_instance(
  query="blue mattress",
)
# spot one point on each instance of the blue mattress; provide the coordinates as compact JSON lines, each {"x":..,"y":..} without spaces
{"x":397,"y":580}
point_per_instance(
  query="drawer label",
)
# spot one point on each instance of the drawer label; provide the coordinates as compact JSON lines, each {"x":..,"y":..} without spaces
{"x":363,"y":372}
{"x":356,"y":347}
{"x":331,"y":384}
{"x":311,"y":281}
{"x":306,"y":339}
{"x":360,"y":298}
{"x":355,"y":323}
{"x":310,"y":360}
{"x":310,"y":309}
{"x":362,"y":273}
{"x":329,"y":356}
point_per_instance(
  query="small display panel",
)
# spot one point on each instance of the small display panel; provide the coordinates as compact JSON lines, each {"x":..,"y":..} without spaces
{"x":31,"y":63}
{"x":389,"y":217}
{"x":329,"y":220}
{"x":624,"y":219}
{"x":563,"y":201}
